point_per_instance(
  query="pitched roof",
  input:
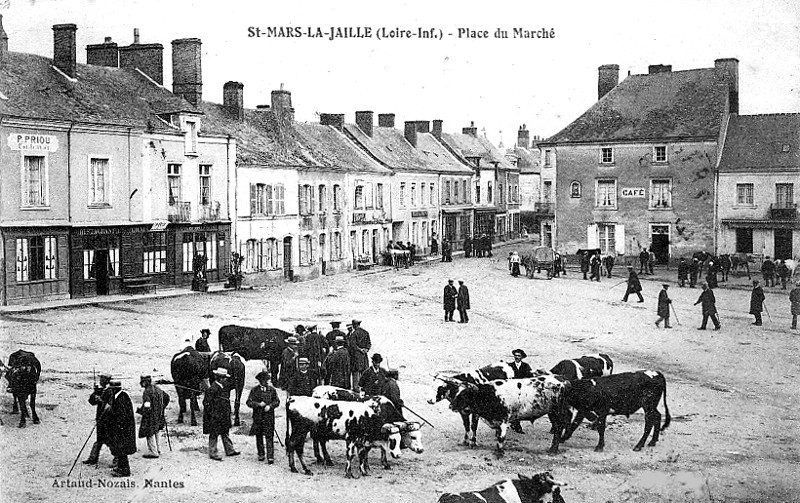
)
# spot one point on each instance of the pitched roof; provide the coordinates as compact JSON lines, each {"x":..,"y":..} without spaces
{"x":527,"y":160}
{"x":467,"y":145}
{"x":329,"y":147}
{"x":757,"y":142}
{"x":667,"y":105}
{"x":34,"y":88}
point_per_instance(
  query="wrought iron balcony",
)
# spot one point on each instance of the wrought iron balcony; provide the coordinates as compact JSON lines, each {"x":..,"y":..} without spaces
{"x":544,"y":208}
{"x":209,"y":212}
{"x":783,"y":211}
{"x":179,"y":211}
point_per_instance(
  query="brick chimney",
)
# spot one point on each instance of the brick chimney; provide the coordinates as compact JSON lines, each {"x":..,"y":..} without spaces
{"x":471,"y":130}
{"x":728,"y":71}
{"x":385,"y":120}
{"x":437,"y":129}
{"x":659,"y":69}
{"x":148,"y":58}
{"x":64,"y":48}
{"x":335,"y":120}
{"x":523,"y":137}
{"x":233,"y":99}
{"x":607,"y":79}
{"x":364,"y":122}
{"x":3,"y":42}
{"x":282,"y":104}
{"x":187,"y":73}
{"x":105,"y":54}
{"x":411,"y":132}
{"x":423,"y":126}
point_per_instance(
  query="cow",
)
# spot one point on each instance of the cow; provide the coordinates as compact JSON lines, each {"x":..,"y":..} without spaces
{"x":410,"y":431}
{"x":358,"y":423}
{"x":623,"y":393}
{"x":189,"y":370}
{"x":585,"y":367}
{"x":233,"y":363}
{"x":255,"y":344}
{"x":23,"y":374}
{"x":501,"y":402}
{"x":524,"y":489}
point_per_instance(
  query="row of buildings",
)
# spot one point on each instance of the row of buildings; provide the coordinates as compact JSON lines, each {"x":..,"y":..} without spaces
{"x":110,"y":179}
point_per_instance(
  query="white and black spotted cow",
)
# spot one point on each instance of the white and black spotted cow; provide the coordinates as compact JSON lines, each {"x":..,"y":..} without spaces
{"x":623,"y":394}
{"x":358,"y":423}
{"x":501,"y":402}
{"x":521,"y":490}
{"x":585,"y":367}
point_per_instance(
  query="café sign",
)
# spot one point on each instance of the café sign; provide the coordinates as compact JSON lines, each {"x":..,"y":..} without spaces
{"x":633,"y":192}
{"x":33,"y":142}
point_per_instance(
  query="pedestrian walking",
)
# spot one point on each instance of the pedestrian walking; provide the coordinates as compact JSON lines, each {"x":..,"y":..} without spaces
{"x":337,"y":365}
{"x":202,"y":342}
{"x":99,"y":398}
{"x":694,"y":270}
{"x":782,"y":271}
{"x":263,"y":399}
{"x":683,"y":272}
{"x":757,"y":302}
{"x":768,"y":272}
{"x":154,"y":401}
{"x":644,"y":257}
{"x":794,"y":299}
{"x":709,"y":307}
{"x":449,"y":300}
{"x":374,"y":378}
{"x":663,"y":307}
{"x":217,"y":415}
{"x":584,"y":263}
{"x":120,"y":424}
{"x":359,"y":345}
{"x":634,"y":285}
{"x":608,"y":263}
{"x":513,"y":263}
{"x":301,"y":383}
{"x":594,"y":266}
{"x":462,"y":302}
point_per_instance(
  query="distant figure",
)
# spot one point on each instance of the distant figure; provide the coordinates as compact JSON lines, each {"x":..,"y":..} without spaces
{"x":683,"y":272}
{"x":663,"y":307}
{"x":462,"y":302}
{"x":154,"y":401}
{"x":358,"y":343}
{"x":794,"y":299}
{"x":584,"y":263}
{"x":711,"y":274}
{"x":608,"y":263}
{"x":757,"y":302}
{"x":644,"y":257}
{"x":434,"y":245}
{"x":337,"y":365}
{"x":594,"y":266}
{"x":651,"y":260}
{"x":513,"y":263}
{"x":449,"y":300}
{"x":782,"y":271}
{"x":634,"y":285}
{"x":467,"y":247}
{"x":709,"y":305}
{"x":768,"y":272}
{"x":202,"y":343}
{"x":694,"y":270}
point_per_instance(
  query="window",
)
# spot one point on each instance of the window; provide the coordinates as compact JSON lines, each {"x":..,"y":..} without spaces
{"x":547,"y":158}
{"x":99,"y":178}
{"x":784,"y":195}
{"x":547,"y":194}
{"x":433,"y":195}
{"x":516,"y":193}
{"x":510,"y":194}
{"x":489,"y":193}
{"x":269,"y":255}
{"x":204,"y":244}
{"x":379,"y":196}
{"x":456,"y":198}
{"x":322,"y":196}
{"x":257,"y":199}
{"x":447,"y":192}
{"x":422,"y":194}
{"x":660,"y":153}
{"x":500,"y":193}
{"x":606,"y":155}
{"x":744,"y":240}
{"x":154,"y":258}
{"x":174,"y":183}
{"x":191,"y":137}
{"x":744,"y":194}
{"x":477,"y":192}
{"x":606,"y":194}
{"x":413,"y":194}
{"x":336,"y":246}
{"x":37,"y":258}
{"x":306,"y":257}
{"x":575,"y":189}
{"x":660,"y":194}
{"x":205,"y":184}
{"x":337,"y":198}
{"x":34,"y":181}
{"x":306,"y":199}
{"x":607,"y":240}
{"x":369,"y":195}
{"x":279,"y":193}
{"x":359,"y":205}
{"x":465,"y":189}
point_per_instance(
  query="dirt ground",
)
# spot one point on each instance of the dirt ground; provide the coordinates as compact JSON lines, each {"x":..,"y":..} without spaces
{"x":733,"y":394}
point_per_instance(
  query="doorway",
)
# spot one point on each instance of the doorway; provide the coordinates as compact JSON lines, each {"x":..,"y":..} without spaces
{"x":101,"y":271}
{"x":659,"y":243}
{"x":322,"y":253}
{"x":375,"y":246}
{"x":783,"y":244}
{"x":288,"y":272}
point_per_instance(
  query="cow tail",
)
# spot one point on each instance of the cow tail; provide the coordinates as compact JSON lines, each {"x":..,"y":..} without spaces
{"x":667,"y":419}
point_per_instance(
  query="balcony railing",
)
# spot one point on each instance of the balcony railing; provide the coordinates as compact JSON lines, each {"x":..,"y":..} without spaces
{"x":370,"y":217}
{"x":209,"y":212}
{"x":783,"y":211}
{"x":545,"y":208}
{"x":179,"y":211}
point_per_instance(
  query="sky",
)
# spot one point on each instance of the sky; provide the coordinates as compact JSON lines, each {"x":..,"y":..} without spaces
{"x":499,"y":83}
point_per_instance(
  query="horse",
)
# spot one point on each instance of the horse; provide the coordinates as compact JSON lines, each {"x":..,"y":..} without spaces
{"x":741,"y":259}
{"x":400,"y":257}
{"x":23,"y":374}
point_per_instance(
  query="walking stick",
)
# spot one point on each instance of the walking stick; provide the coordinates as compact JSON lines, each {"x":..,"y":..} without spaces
{"x":81,"y":451}
{"x":411,"y":411}
{"x":621,"y":282}
{"x":767,"y":310}
{"x":278,"y":437}
{"x":166,"y":430}
{"x":675,"y":313}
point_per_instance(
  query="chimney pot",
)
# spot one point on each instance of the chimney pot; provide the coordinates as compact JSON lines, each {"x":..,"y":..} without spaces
{"x":364,"y":121}
{"x":437,"y":128}
{"x":334,"y":120}
{"x":607,"y":79}
{"x":411,"y":132}
{"x":233,"y":98}
{"x":728,"y":71}
{"x":385,"y":120}
{"x":471,"y":130}
{"x":187,"y":72}
{"x":107,"y":40}
{"x":149,"y":58}
{"x":136,"y":35}
{"x":64,"y":48}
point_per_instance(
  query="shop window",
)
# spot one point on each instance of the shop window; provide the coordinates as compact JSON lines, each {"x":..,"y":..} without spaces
{"x":37,"y":259}
{"x":154,"y":257}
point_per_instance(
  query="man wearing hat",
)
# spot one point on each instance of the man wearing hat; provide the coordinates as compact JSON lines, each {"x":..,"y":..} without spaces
{"x":521,"y":371}
{"x":359,"y":344}
{"x":263,"y":399}
{"x":392,"y":391}
{"x":334,"y":333}
{"x":202,"y":343}
{"x":683,"y":272}
{"x":694,"y":270}
{"x":634,"y":286}
{"x":154,"y":401}
{"x":663,"y":307}
{"x":374,"y":378}
{"x":301,"y":383}
{"x":462,"y":301}
{"x":337,"y":365}
{"x":315,"y":349}
{"x":120,"y":424}
{"x":757,"y":302}
{"x":289,"y":361}
{"x":709,"y":305}
{"x":449,"y":300}
{"x":217,"y":415}
{"x":98,"y":398}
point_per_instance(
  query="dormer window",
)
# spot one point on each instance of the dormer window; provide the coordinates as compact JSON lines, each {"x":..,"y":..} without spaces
{"x":191,"y":137}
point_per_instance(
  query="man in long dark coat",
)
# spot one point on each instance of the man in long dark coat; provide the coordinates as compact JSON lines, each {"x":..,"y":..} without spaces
{"x":594,"y":265}
{"x":462,"y":302}
{"x":358,"y":344}
{"x":757,"y":302}
{"x":608,"y":263}
{"x":467,"y":247}
{"x":794,"y":302}
{"x":392,"y":391}
{"x":449,"y":300}
{"x":301,"y":383}
{"x":263,"y":399}
{"x":119,"y":422}
{"x":683,"y":272}
{"x":315,"y":349}
{"x":289,"y":361}
{"x":154,"y":401}
{"x":709,"y":305}
{"x":334,"y":333}
{"x":711,"y":274}
{"x":217,"y":415}
{"x":585,"y":263}
{"x":337,"y":365}
{"x":98,"y":399}
{"x":373,"y":379}
{"x":768,"y":272}
{"x":694,"y":271}
{"x":663,"y":307}
{"x":634,"y":285}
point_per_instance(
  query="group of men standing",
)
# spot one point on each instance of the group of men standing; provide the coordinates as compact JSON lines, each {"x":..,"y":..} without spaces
{"x":480,"y":246}
{"x":456,"y":298}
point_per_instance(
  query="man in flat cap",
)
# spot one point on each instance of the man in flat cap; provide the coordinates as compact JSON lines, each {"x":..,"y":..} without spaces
{"x":217,"y":415}
{"x":263,"y":399}
{"x":374,"y":378}
{"x":202,"y":343}
{"x":449,"y":300}
{"x":154,"y":401}
{"x":337,"y":365}
{"x":359,"y":344}
{"x":663,"y":306}
{"x":301,"y":383}
{"x":119,"y":422}
{"x":99,"y":397}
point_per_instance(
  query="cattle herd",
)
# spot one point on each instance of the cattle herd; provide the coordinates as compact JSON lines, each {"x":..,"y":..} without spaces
{"x":573,"y":390}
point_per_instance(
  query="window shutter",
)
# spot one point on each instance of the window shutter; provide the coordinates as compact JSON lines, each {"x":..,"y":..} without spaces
{"x":619,"y":236}
{"x":311,"y":206}
{"x":591,"y":236}
{"x":253,"y":198}
{"x":314,"y":258}
{"x":279,"y":249}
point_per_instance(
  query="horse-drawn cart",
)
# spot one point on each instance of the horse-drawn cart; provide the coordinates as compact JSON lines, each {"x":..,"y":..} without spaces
{"x":540,"y":258}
